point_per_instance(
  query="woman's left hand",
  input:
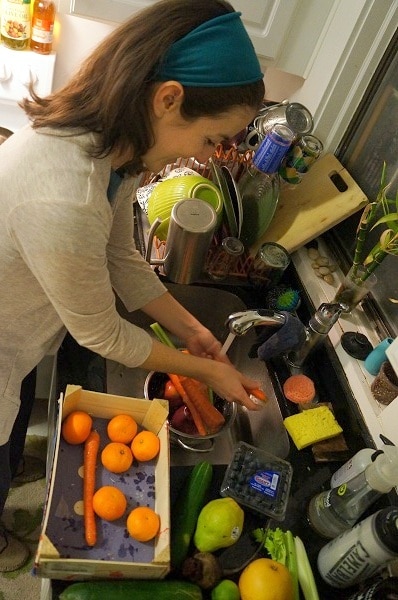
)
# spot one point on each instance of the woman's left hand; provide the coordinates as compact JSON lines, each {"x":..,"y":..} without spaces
{"x":203,"y":343}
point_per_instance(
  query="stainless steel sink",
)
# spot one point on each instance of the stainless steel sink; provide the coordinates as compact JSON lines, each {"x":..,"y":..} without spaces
{"x":264,"y":428}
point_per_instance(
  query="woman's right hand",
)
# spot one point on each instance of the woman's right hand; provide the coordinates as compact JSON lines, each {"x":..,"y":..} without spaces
{"x":231,"y":384}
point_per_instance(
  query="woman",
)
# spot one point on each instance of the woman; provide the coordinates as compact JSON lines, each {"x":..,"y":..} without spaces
{"x":174,"y":81}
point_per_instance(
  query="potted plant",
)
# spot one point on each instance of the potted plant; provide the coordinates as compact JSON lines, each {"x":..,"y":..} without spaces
{"x":361,"y":278}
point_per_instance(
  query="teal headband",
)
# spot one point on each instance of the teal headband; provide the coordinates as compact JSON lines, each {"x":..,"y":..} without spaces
{"x":218,"y":53}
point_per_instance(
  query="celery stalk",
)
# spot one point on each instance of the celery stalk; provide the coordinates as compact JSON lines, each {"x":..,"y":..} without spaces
{"x":281,"y":547}
{"x":162,"y":335}
{"x":305,"y":574}
{"x":291,"y":562}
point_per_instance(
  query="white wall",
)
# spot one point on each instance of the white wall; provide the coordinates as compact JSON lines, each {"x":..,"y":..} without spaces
{"x":77,"y":37}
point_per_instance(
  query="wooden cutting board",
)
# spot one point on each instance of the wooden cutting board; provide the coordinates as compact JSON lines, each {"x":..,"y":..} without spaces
{"x":313,"y":206}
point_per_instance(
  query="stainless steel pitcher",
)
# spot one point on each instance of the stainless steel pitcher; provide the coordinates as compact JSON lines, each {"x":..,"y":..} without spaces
{"x":192,"y":226}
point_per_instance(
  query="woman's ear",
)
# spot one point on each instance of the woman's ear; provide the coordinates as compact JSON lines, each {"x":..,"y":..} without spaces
{"x":167,"y":98}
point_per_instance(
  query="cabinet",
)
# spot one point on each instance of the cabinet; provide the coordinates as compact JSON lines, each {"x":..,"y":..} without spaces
{"x":275,"y":26}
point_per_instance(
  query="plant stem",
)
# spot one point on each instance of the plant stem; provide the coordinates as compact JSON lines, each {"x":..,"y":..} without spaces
{"x":363,"y":228}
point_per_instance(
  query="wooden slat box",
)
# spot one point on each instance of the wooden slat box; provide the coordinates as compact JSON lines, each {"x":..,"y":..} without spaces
{"x":62,"y":551}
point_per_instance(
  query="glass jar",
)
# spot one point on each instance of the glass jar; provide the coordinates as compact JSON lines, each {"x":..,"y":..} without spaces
{"x":224,"y":259}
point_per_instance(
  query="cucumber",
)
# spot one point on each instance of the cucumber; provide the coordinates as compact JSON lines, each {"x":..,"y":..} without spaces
{"x":186,"y":509}
{"x":132,"y":590}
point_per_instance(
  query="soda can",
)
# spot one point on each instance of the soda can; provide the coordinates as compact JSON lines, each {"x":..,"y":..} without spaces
{"x":269,"y":155}
{"x":299,"y":158}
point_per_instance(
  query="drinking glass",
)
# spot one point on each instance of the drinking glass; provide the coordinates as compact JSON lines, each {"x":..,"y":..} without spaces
{"x":353,"y":288}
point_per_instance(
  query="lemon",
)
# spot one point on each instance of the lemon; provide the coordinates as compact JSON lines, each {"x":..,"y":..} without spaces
{"x":225,"y":590}
{"x":266,"y":579}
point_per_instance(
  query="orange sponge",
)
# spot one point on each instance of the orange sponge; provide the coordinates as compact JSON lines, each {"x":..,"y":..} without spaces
{"x":299,"y":389}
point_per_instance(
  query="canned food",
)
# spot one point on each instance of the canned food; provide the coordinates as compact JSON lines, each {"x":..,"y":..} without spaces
{"x":268,"y":266}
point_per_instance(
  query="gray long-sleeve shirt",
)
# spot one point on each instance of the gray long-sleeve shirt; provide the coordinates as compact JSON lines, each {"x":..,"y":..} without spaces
{"x":64,"y":250}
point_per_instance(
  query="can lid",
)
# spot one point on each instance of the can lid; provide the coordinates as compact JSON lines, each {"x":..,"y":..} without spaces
{"x":233,"y":246}
{"x":386,"y":525}
{"x":274,"y":255}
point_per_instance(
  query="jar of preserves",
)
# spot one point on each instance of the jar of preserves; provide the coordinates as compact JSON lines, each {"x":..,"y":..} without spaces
{"x":15,"y":24}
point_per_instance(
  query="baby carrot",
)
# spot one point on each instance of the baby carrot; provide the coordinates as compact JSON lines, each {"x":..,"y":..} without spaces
{"x":257,"y":393}
{"x":91,"y":447}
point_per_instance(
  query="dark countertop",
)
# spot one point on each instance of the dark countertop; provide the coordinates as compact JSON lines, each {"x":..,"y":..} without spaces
{"x":79,"y":366}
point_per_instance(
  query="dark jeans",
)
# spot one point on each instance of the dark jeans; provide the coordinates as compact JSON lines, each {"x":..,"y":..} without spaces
{"x":11,"y":453}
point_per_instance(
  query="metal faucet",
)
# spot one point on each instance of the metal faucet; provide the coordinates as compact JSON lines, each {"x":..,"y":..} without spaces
{"x":240,"y":323}
{"x":318,"y":327}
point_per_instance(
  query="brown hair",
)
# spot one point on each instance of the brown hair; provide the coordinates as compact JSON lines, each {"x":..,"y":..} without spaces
{"x":111,"y":93}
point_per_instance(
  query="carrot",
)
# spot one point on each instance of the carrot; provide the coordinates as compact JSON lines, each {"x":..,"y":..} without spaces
{"x":91,"y":447}
{"x":257,"y":393}
{"x":176,"y":380}
{"x":206,"y":417}
{"x":197,"y":394}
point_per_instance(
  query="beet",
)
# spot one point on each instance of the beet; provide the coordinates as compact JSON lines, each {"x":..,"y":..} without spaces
{"x":182,"y":421}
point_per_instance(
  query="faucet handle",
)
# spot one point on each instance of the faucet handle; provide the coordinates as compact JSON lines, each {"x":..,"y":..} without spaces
{"x":326,"y":316}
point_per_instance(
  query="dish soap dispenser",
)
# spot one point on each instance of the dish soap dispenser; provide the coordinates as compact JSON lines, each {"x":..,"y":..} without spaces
{"x":338,"y":509}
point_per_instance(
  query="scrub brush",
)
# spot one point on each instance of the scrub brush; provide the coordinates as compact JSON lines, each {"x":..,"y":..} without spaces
{"x":283,"y":298}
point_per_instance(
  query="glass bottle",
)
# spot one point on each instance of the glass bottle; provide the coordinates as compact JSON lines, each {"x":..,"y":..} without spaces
{"x":360,"y":552}
{"x":338,"y":509}
{"x":15,"y":24}
{"x":42,"y":26}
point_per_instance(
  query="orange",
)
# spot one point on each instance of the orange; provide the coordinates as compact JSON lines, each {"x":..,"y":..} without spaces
{"x":109,"y":503}
{"x":116,"y":457}
{"x":143,"y":523}
{"x":145,"y":445}
{"x":122,"y":428}
{"x":265,"y":579}
{"x":76,"y":427}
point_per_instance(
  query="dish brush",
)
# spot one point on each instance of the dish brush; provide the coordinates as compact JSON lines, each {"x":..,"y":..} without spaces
{"x":283,"y":298}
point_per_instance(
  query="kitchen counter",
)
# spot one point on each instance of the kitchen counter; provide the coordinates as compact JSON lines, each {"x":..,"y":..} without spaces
{"x":78,"y":366}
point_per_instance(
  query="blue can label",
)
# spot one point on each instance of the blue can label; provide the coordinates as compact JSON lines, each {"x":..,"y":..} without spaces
{"x":273,"y":148}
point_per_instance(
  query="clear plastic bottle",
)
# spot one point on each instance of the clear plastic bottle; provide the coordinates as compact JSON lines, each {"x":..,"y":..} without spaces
{"x":338,"y":509}
{"x":15,"y":24}
{"x":42,"y":26}
{"x":356,"y":464}
{"x":358,"y":553}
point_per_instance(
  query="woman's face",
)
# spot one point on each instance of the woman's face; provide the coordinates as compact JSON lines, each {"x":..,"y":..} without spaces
{"x":177,"y":138}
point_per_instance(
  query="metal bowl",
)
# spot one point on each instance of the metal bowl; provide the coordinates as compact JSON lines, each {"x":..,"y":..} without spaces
{"x":154,"y":388}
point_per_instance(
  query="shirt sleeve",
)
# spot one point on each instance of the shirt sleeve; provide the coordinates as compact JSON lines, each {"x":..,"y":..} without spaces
{"x":73,"y":252}
{"x":132,"y":277}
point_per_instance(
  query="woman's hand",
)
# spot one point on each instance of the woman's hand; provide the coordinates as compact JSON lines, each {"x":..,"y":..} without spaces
{"x":203,"y":343}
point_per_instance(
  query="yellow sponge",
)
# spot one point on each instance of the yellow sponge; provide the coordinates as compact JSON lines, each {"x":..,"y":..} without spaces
{"x":311,"y":426}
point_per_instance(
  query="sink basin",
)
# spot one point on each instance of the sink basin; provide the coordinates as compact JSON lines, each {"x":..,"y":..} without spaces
{"x":263,"y":428}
